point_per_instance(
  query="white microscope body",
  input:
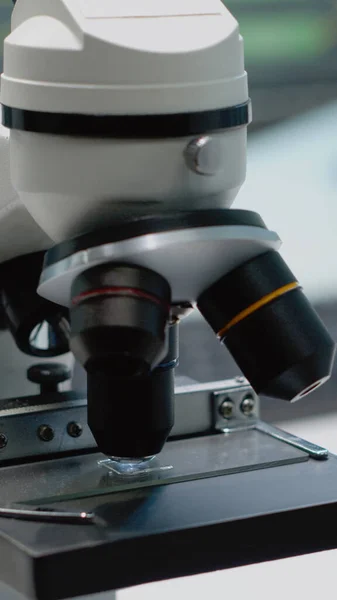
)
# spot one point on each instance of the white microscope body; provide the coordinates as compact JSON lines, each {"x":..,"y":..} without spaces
{"x":104,"y":57}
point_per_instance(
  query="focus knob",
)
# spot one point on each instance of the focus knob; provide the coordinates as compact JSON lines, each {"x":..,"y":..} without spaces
{"x":48,"y":376}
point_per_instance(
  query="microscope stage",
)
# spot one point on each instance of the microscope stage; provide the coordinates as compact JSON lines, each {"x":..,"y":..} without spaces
{"x":229,"y":500}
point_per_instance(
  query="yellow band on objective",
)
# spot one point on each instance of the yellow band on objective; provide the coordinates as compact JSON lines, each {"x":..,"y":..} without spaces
{"x":254,"y":307}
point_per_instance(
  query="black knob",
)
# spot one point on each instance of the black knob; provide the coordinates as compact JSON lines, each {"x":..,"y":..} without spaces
{"x":48,"y":376}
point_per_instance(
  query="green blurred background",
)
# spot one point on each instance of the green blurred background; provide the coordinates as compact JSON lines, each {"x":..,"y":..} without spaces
{"x":291,"y":53}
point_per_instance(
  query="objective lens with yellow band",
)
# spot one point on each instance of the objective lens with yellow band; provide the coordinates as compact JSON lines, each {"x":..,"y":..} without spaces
{"x":260,"y":313}
{"x":251,"y":309}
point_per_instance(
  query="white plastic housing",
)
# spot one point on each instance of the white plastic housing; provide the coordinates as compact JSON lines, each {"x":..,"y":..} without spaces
{"x":123,"y":57}
{"x":72,"y":185}
{"x":120,"y":58}
{"x":19,"y":233}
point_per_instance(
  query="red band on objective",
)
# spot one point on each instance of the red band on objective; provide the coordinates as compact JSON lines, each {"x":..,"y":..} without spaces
{"x":119,"y":291}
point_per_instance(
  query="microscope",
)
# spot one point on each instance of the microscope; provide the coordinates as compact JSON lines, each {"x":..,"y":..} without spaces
{"x":123,"y":148}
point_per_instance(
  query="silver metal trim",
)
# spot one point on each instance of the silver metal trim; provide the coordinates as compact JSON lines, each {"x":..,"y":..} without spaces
{"x":197,"y":407}
{"x":190,"y":259}
{"x":42,"y":408}
{"x":316,"y":452}
{"x":50,"y":516}
{"x":235,"y":392}
{"x":193,"y":410}
{"x":205,"y":155}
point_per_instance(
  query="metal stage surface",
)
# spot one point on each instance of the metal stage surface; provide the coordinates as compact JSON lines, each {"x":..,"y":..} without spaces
{"x":264,"y":500}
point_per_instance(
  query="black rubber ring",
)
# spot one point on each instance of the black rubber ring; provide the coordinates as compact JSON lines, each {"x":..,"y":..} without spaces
{"x":127,"y":126}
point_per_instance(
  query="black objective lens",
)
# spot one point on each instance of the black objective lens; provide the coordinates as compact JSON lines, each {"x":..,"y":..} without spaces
{"x":119,"y":333}
{"x":131,"y":417}
{"x":261,"y":314}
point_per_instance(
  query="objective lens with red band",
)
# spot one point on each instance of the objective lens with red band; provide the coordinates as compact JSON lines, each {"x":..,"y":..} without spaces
{"x":118,"y":291}
{"x":118,"y":316}
{"x":119,"y":333}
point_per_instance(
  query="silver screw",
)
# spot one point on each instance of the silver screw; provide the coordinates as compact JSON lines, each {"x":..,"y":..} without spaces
{"x":45,"y":433}
{"x":205,"y":156}
{"x":226,"y":409}
{"x":248,"y":405}
{"x":74,"y":429}
{"x":240,"y":379}
{"x":3,"y":441}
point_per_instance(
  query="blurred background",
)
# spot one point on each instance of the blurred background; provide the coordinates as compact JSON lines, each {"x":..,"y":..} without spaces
{"x":291,"y":55}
